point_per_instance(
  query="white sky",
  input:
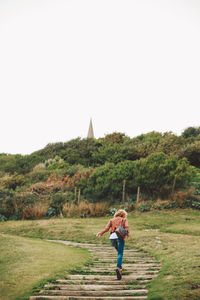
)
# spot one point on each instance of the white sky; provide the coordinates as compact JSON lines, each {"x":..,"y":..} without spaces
{"x":133,"y":66}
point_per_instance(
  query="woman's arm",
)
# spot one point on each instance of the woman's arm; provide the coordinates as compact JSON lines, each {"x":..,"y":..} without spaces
{"x":105,"y":230}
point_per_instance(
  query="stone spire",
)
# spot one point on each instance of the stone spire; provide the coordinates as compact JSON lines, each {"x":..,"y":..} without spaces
{"x":90,"y":131}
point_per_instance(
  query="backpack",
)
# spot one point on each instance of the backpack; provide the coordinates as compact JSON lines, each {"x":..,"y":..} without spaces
{"x":121,"y":231}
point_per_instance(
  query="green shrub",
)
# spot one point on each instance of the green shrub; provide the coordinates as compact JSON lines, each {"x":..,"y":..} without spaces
{"x":54,"y":163}
{"x":112,"y":211}
{"x":195,"y":205}
{"x":7,"y":203}
{"x":51,"y":212}
{"x":38,"y":175}
{"x":57,"y":202}
{"x":20,"y":202}
{"x":14,"y":217}
{"x":172,"y":205}
{"x":197,"y":189}
{"x":2,"y":218}
{"x":144,"y":207}
{"x":159,"y":207}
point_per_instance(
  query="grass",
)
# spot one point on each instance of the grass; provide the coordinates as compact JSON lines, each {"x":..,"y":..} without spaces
{"x":172,"y":237}
{"x":26,"y":264}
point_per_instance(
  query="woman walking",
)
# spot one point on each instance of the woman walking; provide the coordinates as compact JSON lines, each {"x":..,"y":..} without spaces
{"x":117,"y":241}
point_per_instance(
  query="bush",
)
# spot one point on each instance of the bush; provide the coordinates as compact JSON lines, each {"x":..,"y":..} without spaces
{"x":2,"y":218}
{"x":192,"y":203}
{"x":159,"y":207}
{"x":51,"y":212}
{"x":7,"y":203}
{"x":197,"y":189}
{"x":38,"y":174}
{"x":14,"y":217}
{"x":112,"y":211}
{"x":21,"y":201}
{"x":195,"y":205}
{"x":57,"y":202}
{"x":172,"y":205}
{"x":159,"y":204}
{"x":144,"y":207}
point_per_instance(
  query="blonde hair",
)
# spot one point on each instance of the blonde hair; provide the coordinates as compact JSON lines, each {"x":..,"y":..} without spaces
{"x":121,"y":213}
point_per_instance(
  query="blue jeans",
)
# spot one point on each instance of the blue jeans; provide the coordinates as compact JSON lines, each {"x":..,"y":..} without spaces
{"x":119,"y":246}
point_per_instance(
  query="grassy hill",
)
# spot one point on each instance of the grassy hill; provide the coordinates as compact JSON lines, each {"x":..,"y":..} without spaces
{"x":172,"y":237}
{"x":52,"y":181}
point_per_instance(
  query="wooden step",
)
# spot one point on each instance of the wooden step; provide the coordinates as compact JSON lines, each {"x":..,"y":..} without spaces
{"x":86,"y":298}
{"x":127,"y":265}
{"x":109,"y":277}
{"x":113,"y":259}
{"x":131,"y":269}
{"x":102,"y":282}
{"x":91,"y":287}
{"x":99,"y":293}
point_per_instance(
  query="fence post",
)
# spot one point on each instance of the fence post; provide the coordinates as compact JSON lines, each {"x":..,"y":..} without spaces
{"x":138,"y":194}
{"x":173,"y":186}
{"x":124,"y":191}
{"x":75,"y":192}
{"x":79,"y":195}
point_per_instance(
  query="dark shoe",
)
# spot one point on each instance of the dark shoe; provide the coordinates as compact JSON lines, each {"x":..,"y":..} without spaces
{"x":119,"y":274}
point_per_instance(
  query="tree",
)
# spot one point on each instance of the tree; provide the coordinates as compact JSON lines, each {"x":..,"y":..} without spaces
{"x":192,"y":153}
{"x":115,"y":153}
{"x":147,"y":144}
{"x":191,"y":132}
{"x":115,"y":137}
{"x":79,"y":151}
{"x":18,"y":163}
{"x":156,"y":173}
{"x":99,"y":186}
{"x":170,"y":143}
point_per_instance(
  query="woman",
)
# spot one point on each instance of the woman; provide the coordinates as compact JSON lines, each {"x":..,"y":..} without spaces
{"x":120,"y":219}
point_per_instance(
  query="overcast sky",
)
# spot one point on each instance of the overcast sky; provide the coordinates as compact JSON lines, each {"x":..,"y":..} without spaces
{"x":131,"y":66}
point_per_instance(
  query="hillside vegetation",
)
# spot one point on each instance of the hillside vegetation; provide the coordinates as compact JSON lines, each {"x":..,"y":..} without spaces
{"x":86,"y":176}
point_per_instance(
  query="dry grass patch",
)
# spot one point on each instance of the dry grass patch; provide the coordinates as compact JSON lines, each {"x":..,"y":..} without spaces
{"x":85,"y":209}
{"x":36,"y":211}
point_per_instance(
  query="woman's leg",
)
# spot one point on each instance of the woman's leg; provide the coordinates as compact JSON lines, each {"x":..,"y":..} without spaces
{"x":121,"y":244}
{"x":114,"y":243}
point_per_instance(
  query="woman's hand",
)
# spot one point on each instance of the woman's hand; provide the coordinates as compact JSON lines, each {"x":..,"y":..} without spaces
{"x":98,"y":234}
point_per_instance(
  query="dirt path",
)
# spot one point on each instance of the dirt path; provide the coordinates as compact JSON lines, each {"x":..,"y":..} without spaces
{"x":98,"y":281}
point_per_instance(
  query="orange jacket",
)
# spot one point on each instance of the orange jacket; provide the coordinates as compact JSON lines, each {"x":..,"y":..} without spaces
{"x":114,"y":224}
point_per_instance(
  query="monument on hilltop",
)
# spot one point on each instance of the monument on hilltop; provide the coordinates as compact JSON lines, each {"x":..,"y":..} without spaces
{"x":90,"y":131}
